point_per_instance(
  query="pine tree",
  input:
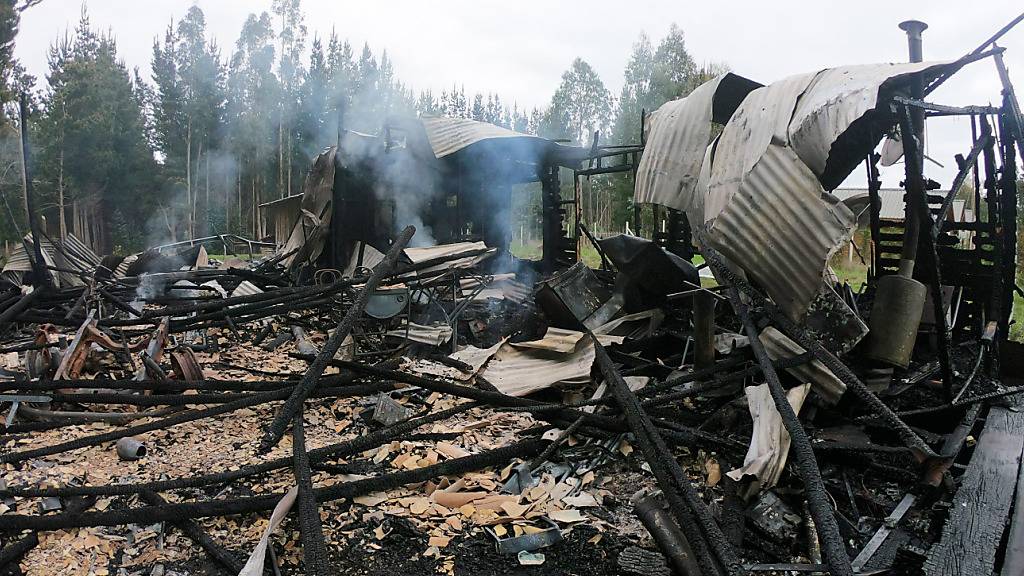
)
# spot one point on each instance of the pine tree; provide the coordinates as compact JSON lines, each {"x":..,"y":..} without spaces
{"x":92,"y":136}
{"x":478,"y":112}
{"x":292,"y":38}
{"x":427,"y":105}
{"x":315,"y":110}
{"x":674,"y":71}
{"x":252,"y":99}
{"x":188,"y":109}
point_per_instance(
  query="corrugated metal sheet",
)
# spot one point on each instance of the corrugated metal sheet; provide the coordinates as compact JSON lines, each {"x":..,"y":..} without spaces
{"x":122,"y":269}
{"x":425,"y":253}
{"x":449,"y":135}
{"x":761,"y":119}
{"x":71,"y":254}
{"x":838,"y":97}
{"x":246,"y":288}
{"x":765,"y":209}
{"x":674,"y":150}
{"x":504,"y":286}
{"x":565,"y":341}
{"x":893,"y":207}
{"x":434,"y":335}
{"x":828,"y":387}
{"x":518,"y":372}
{"x":307,"y":237}
{"x":780,"y":227}
{"x":677,"y":135}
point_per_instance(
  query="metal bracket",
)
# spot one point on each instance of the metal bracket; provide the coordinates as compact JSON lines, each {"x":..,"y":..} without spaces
{"x":888,"y":525}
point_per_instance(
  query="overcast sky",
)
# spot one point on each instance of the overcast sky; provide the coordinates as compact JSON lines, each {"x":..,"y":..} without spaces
{"x":519,"y":49}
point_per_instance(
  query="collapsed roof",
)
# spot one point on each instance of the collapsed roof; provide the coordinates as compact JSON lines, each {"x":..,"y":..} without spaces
{"x":757,"y":193}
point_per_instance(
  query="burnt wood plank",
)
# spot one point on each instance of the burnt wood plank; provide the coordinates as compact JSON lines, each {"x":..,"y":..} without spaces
{"x":971,"y":536}
{"x":1013,"y":562}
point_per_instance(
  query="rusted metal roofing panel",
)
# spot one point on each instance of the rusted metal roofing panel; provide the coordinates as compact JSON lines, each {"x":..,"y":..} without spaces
{"x":518,"y":372}
{"x":677,"y":134}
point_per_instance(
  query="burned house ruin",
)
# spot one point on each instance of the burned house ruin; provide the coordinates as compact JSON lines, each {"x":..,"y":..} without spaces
{"x":390,"y":389}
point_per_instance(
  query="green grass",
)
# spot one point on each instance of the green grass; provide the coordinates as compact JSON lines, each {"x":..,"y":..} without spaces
{"x":534,"y":251}
{"x":854,"y":274}
{"x":589,"y":254}
{"x":1017,"y":319}
{"x":240,"y":256}
{"x":531,"y":251}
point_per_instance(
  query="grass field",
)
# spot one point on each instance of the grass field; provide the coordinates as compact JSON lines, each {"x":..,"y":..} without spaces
{"x":1017,"y":319}
{"x":532,"y":251}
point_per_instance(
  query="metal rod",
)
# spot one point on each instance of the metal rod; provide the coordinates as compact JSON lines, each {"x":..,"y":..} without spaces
{"x":916,"y":195}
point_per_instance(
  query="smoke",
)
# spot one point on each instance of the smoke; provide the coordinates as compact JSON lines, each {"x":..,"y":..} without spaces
{"x":412,"y":187}
{"x":424,"y":236}
{"x":150,"y":286}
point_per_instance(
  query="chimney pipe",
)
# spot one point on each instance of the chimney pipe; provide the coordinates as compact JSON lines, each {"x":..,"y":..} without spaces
{"x":911,"y":235}
{"x":899,"y":298}
{"x":913,"y":28}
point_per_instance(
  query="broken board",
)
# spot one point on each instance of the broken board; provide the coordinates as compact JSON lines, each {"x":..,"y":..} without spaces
{"x":976,"y":523}
{"x":1013,"y":561}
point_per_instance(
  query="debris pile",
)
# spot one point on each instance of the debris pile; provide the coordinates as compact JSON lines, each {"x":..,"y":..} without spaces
{"x":452,"y":409}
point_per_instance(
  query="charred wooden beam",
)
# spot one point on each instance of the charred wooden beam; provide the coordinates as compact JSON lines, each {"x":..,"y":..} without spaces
{"x":311,"y":532}
{"x":692,"y":515}
{"x":971,"y":536}
{"x":41,"y":276}
{"x":828,"y":530}
{"x":292,"y":406}
{"x":198,"y":535}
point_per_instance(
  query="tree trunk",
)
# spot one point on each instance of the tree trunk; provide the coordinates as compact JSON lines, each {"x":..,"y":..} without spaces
{"x":194,"y":216}
{"x":204,"y":228}
{"x":254,"y":206}
{"x":240,"y":227}
{"x":280,"y":154}
{"x":188,"y":179}
{"x":63,"y":229}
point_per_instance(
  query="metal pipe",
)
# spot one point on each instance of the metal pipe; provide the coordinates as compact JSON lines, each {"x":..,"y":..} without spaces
{"x":914,"y":28}
{"x":130,"y":448}
{"x":912,"y":221}
{"x":654,"y":515}
{"x":703,"y":330}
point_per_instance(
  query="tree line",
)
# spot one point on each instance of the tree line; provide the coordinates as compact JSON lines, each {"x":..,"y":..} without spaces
{"x":216,"y":131}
